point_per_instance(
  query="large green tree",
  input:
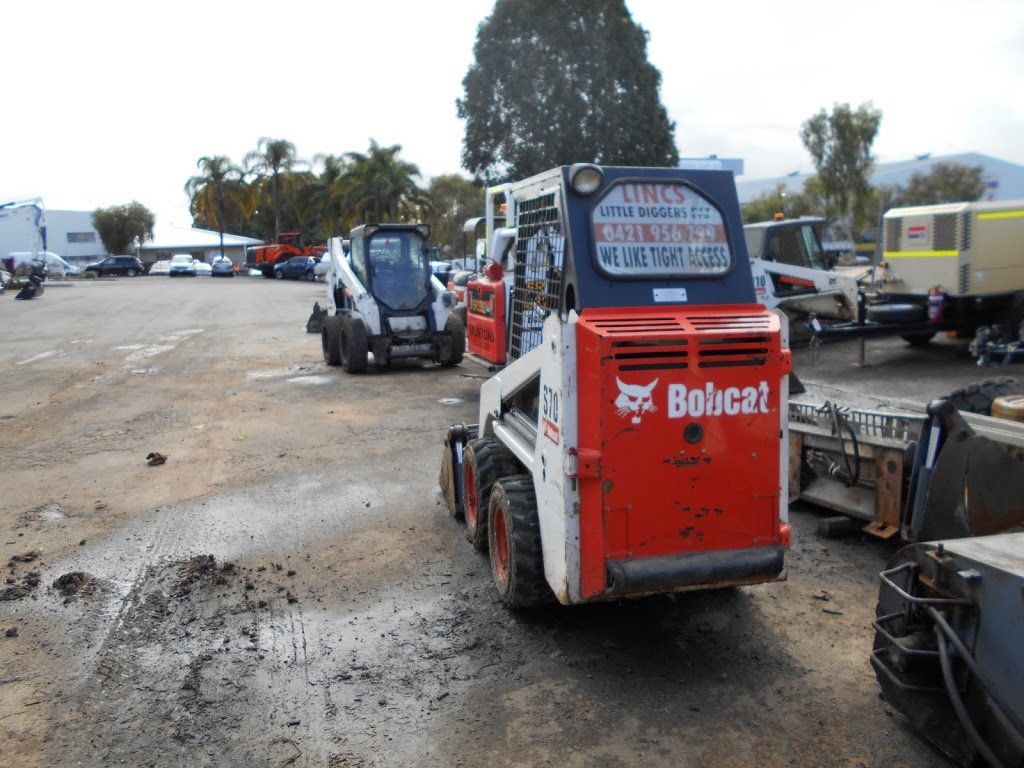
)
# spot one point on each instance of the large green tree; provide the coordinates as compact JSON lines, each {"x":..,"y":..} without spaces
{"x":270,"y":164}
{"x":945,"y":183}
{"x":379,"y":186}
{"x":329,"y":193}
{"x":119,"y":225}
{"x":840,"y":146}
{"x":219,"y":199}
{"x":453,"y":200}
{"x":561,"y":81}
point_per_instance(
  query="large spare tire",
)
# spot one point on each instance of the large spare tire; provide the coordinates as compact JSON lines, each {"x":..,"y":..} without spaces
{"x":978,"y":398}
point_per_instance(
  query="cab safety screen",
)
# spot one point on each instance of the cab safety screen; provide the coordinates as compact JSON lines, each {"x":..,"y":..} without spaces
{"x":653,"y":230}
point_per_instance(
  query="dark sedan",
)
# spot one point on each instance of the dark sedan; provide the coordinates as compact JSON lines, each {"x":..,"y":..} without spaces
{"x":128,"y":266}
{"x":296,"y":268}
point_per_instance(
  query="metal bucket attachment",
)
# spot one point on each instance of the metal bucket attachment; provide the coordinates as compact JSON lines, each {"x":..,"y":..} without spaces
{"x":976,"y":487}
{"x":315,"y":324}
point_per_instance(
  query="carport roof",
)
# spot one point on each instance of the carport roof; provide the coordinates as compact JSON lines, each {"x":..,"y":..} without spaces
{"x":169,"y":236}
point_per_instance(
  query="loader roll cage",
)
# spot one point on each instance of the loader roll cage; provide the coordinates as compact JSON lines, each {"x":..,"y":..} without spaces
{"x":660,"y":238}
{"x":394,"y":264}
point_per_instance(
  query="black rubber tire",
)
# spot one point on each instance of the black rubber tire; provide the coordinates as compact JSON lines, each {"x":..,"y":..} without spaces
{"x":457,"y":331}
{"x":278,"y":274}
{"x":517,"y":568}
{"x":329,"y":339}
{"x":918,"y":339}
{"x":131,"y":273}
{"x":978,"y":398}
{"x":353,"y":345}
{"x":897,"y":313}
{"x":484,"y":462}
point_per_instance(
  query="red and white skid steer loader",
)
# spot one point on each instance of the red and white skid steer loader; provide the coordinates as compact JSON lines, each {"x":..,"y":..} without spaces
{"x":635,"y":439}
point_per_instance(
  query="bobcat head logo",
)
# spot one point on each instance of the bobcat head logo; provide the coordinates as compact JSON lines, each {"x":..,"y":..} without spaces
{"x":635,"y":399}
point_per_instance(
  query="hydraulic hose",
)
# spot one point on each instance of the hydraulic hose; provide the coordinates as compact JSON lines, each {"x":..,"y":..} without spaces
{"x":958,"y":705}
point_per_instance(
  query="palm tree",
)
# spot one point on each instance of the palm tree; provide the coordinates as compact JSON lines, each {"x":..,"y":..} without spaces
{"x":218,"y":196}
{"x":330,"y":193}
{"x":271,"y":162}
{"x":379,"y":186}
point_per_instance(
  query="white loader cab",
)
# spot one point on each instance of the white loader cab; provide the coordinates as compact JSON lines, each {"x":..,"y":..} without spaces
{"x":382,"y":298}
{"x":792,"y":272}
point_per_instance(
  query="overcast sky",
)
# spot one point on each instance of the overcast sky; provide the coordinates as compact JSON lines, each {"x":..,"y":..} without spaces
{"x":108,"y":102}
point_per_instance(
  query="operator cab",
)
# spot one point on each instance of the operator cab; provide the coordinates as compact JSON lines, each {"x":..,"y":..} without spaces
{"x":788,"y":241}
{"x":394,"y":265}
{"x":660,"y":241}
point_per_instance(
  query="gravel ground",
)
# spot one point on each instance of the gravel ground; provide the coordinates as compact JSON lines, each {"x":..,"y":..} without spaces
{"x":287,"y":588}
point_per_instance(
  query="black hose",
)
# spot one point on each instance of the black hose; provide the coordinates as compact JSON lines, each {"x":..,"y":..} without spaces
{"x":958,"y":705}
{"x":968,"y":659}
{"x":851,"y":474}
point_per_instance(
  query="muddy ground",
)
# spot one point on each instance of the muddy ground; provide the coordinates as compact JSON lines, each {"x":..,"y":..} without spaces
{"x":287,"y":589}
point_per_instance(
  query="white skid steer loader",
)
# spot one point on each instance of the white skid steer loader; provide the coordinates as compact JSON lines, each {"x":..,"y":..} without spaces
{"x":383,"y":298}
{"x":634,"y":438}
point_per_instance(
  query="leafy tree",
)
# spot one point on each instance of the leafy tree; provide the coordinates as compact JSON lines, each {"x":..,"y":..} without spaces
{"x":218,"y":196}
{"x":271,"y":163}
{"x":561,"y":81}
{"x":454,"y":199}
{"x":119,"y":225}
{"x":767,"y":204}
{"x":840,"y":146}
{"x":946,"y":183}
{"x":380,"y":187}
{"x":329,"y":193}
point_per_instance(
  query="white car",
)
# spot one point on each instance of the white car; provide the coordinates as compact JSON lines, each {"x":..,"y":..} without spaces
{"x":182,"y":264}
{"x":203,"y":269}
{"x":55,"y":265}
{"x":162,"y":267}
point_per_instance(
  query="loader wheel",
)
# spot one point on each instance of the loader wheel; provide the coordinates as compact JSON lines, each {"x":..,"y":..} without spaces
{"x":978,"y":398}
{"x":517,"y":559}
{"x":484,"y":462}
{"x":457,"y":349}
{"x":353,"y":345}
{"x":329,"y":339}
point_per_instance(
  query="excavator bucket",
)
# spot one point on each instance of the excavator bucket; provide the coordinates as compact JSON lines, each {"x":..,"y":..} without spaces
{"x":315,"y":324}
{"x":976,"y":487}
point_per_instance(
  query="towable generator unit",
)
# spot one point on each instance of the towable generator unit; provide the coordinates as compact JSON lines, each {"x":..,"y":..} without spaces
{"x":633,"y":439}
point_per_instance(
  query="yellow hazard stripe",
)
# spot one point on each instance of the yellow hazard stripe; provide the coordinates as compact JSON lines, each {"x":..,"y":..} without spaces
{"x":919,"y":254}
{"x":1001,"y":215}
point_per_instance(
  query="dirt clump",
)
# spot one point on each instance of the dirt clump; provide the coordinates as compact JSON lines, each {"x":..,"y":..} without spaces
{"x":203,"y":569}
{"x":74,"y":583}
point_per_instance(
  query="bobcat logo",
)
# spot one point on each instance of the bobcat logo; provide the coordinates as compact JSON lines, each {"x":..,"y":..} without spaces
{"x":635,"y":399}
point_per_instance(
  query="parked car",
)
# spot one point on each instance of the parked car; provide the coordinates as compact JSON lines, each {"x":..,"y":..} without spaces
{"x":182,"y":264}
{"x":129,"y":266}
{"x":222,"y":266}
{"x":296,"y":268}
{"x":55,"y":265}
{"x":162,"y":267}
{"x":203,"y":269}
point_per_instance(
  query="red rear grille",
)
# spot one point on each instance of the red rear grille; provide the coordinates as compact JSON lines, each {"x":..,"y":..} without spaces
{"x":650,"y":355}
{"x":724,"y":352}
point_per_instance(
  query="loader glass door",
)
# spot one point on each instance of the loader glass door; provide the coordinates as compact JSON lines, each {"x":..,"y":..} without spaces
{"x":400,"y":269}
